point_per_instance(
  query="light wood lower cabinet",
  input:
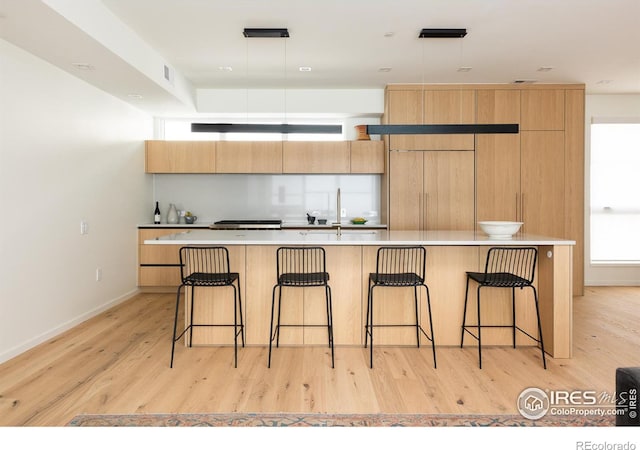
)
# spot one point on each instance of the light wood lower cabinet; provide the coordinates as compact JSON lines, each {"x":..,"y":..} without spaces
{"x":158,"y":265}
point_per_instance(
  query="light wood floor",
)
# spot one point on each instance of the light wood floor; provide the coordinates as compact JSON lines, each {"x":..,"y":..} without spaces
{"x":118,"y":362}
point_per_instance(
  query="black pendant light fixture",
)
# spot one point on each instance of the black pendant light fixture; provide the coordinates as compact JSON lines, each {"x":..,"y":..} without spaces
{"x":264,"y":127}
{"x":444,"y":128}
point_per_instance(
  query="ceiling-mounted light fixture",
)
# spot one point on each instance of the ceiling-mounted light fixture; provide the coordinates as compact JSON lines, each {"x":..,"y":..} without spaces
{"x":444,"y":128}
{"x":443,"y":33}
{"x":266,"y":33}
{"x":266,"y":127}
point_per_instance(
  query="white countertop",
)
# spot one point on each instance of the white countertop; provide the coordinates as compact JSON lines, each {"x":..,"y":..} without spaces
{"x":348,"y":237}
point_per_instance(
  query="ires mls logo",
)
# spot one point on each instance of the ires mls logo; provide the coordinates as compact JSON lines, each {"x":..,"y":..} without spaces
{"x":534,"y":403}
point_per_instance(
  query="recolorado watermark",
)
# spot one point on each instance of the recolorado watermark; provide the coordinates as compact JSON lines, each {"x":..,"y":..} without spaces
{"x":590,"y":445}
{"x":535,"y":403}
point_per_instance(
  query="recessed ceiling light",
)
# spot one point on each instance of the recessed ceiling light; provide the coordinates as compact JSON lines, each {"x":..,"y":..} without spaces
{"x":135,"y":96}
{"x":545,"y":69}
{"x":82,"y":66}
{"x":464,"y":69}
{"x":604,"y":81}
{"x":304,"y":69}
{"x":389,"y":34}
{"x":523,"y":81}
{"x":225,"y":69}
{"x":384,"y":69}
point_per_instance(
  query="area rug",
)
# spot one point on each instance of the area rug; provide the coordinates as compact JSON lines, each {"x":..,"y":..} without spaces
{"x":332,"y":420}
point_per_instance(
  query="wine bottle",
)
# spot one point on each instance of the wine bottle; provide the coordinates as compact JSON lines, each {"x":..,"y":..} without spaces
{"x":156,"y":214}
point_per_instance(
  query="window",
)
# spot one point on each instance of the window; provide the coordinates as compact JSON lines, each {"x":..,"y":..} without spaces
{"x":615,"y":192}
{"x":180,"y":130}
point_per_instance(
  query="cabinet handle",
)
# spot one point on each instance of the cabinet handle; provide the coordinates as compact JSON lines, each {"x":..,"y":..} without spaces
{"x":522,"y":211}
{"x":426,"y":210}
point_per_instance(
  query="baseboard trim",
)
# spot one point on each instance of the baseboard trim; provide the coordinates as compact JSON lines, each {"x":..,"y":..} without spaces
{"x":31,"y":343}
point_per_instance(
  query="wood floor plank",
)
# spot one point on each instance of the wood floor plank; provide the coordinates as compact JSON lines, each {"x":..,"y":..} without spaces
{"x":118,"y":362}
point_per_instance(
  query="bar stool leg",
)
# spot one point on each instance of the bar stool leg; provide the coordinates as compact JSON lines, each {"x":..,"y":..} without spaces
{"x":175,"y":325}
{"x":479,"y":332}
{"x":240,"y":306}
{"x":193,"y":294}
{"x":535,"y":296}
{"x":330,"y":322}
{"x":415,"y":297}
{"x":464,"y":313}
{"x":271,"y":335}
{"x":371,"y":327}
{"x":433,"y":339}
{"x":513,"y":318}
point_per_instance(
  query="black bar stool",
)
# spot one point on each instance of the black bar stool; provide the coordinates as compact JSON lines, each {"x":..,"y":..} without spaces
{"x":208,"y":267}
{"x":300,"y":267}
{"x":505,"y":267}
{"x":399,"y":267}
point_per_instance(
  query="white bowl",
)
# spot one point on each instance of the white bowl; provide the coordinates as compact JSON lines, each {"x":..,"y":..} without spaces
{"x":500,"y":229}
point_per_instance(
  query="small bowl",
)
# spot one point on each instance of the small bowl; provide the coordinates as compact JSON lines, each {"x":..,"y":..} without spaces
{"x":497,"y":229}
{"x":322,"y":221}
{"x":190,"y":219}
{"x":358,"y":222}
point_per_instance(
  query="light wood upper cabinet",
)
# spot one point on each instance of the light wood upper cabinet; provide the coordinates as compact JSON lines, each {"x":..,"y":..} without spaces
{"x":451,"y":106}
{"x":367,"y":156}
{"x":431,"y":190}
{"x":316,"y":157}
{"x":542,"y":109}
{"x":180,"y":157}
{"x":498,"y":106}
{"x":249,"y":157}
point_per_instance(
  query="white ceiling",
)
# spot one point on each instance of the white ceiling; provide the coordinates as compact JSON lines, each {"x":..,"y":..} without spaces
{"x":596,"y":42}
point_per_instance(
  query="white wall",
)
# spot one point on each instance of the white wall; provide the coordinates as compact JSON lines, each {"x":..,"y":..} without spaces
{"x":609,"y":106}
{"x":68,"y":152}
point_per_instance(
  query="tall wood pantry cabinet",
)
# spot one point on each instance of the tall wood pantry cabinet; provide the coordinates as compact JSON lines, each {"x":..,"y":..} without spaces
{"x":535,"y":176}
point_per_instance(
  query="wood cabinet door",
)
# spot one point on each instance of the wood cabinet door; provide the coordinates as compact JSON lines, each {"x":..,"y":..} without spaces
{"x":498,"y":106}
{"x":542,"y":182}
{"x":419,"y":106}
{"x":498,"y":177}
{"x":405,"y":107}
{"x":249,"y":157}
{"x":542,"y":109}
{"x":456,"y":106}
{"x":498,"y":157}
{"x":406,"y":195}
{"x":316,"y":157}
{"x":180,"y":156}
{"x":449,"y":190}
{"x":367,"y":157}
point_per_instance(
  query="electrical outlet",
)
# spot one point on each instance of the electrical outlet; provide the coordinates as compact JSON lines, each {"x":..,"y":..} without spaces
{"x":343,"y":212}
{"x":84,"y":227}
{"x":99,"y":274}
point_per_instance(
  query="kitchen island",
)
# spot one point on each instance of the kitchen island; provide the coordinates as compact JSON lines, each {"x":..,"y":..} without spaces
{"x":351,"y":256}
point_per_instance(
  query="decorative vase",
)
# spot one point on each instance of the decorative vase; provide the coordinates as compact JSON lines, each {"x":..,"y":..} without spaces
{"x":361,"y":133}
{"x":172,"y":214}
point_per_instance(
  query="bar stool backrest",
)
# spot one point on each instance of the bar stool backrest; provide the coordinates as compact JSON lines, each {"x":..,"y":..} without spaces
{"x":301,"y":266}
{"x":407,"y":264}
{"x":520,"y":262}
{"x":204,"y":266}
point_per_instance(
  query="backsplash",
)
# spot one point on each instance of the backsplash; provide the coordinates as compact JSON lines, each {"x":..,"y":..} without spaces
{"x":286,"y":197}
